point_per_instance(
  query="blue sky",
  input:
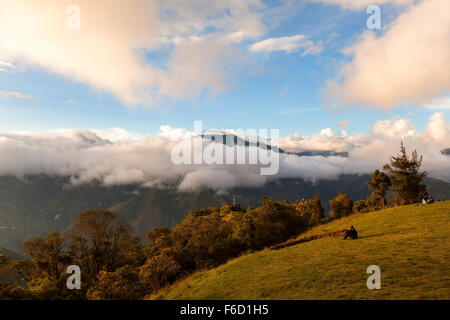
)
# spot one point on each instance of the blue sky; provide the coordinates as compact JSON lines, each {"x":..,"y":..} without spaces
{"x":264,"y":89}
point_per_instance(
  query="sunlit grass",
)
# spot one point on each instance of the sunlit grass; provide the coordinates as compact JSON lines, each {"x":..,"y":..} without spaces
{"x":410,"y":244}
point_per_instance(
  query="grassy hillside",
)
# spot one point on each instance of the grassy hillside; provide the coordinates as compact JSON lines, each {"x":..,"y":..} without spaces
{"x":410,"y":244}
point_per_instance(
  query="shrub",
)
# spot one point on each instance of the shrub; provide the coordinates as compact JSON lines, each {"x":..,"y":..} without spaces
{"x":158,"y":272}
{"x":341,"y":206}
{"x":122,"y":284}
{"x":361,"y":206}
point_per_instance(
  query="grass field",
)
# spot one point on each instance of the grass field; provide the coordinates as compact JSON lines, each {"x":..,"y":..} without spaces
{"x":410,"y":244}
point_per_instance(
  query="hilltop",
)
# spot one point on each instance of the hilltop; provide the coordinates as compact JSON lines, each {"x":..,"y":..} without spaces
{"x":410,"y":244}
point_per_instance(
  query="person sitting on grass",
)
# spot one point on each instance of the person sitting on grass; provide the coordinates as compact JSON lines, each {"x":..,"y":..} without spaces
{"x":430,"y":199}
{"x":352,"y":233}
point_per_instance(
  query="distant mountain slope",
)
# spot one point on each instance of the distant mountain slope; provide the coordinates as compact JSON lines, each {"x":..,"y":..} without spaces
{"x":233,"y":140}
{"x":38,"y":204}
{"x":410,"y":244}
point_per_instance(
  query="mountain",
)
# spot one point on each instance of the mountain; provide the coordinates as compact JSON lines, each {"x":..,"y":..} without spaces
{"x":233,"y":140}
{"x":408,"y":243}
{"x":446,"y":151}
{"x":37,"y":204}
{"x":323,"y":153}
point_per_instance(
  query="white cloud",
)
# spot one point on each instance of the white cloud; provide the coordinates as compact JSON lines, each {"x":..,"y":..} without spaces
{"x":367,"y":152}
{"x":107,"y":47}
{"x":362,"y":4}
{"x":407,"y":64}
{"x":288,"y":44}
{"x":395,"y":128}
{"x":116,"y":156}
{"x":440,"y":103}
{"x":5,"y":66}
{"x":325,"y":140}
{"x":12,"y":94}
{"x":438,"y":129}
{"x":238,"y":19}
{"x":109,"y":51}
{"x":220,"y":179}
{"x":197,"y":65}
{"x":117,"y":135}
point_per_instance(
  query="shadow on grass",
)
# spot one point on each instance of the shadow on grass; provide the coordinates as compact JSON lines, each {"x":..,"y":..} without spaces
{"x":376,"y":235}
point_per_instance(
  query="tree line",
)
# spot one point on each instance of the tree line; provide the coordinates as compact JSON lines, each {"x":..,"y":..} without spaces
{"x":116,"y":265}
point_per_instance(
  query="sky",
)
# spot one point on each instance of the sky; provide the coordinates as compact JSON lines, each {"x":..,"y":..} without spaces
{"x":313,"y":69}
{"x":291,"y":65}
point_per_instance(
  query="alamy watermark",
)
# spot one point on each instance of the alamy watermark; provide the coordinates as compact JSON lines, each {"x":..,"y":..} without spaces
{"x":374,"y":281}
{"x":374,"y":20}
{"x":74,"y":18}
{"x":74,"y":280}
{"x":212,"y":147}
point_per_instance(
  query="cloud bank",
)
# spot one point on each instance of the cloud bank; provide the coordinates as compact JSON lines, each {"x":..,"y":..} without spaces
{"x":116,"y":157}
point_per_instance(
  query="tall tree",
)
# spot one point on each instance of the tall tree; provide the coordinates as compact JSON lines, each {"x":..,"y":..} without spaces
{"x":102,"y":242}
{"x":318,"y":212}
{"x":380,"y":185}
{"x":405,"y":177}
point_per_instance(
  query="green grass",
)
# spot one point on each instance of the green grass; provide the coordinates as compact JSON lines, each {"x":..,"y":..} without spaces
{"x":410,"y":244}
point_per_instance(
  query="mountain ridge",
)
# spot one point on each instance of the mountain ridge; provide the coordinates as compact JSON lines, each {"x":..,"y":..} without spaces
{"x":37,"y":204}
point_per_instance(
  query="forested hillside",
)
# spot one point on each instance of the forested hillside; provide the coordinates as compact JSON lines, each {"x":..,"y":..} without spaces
{"x":38,"y":204}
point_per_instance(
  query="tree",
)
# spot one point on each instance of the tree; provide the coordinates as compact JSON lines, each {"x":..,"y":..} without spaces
{"x":122,"y":284}
{"x":101,"y":245}
{"x":380,"y":185}
{"x":318,"y":213}
{"x":3,"y":264}
{"x":102,"y":242}
{"x":45,"y":274}
{"x":49,"y":254}
{"x":9,"y":291}
{"x":341,"y":206}
{"x":360,"y":206}
{"x":277,"y":221}
{"x":406,"y":178}
{"x":159,"y":271}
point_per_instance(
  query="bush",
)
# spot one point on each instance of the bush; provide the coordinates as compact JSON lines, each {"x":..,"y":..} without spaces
{"x":122,"y":284}
{"x":158,"y":272}
{"x":341,"y":206}
{"x":361,"y":206}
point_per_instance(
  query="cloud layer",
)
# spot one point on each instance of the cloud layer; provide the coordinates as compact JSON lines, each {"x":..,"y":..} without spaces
{"x":118,"y":157}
